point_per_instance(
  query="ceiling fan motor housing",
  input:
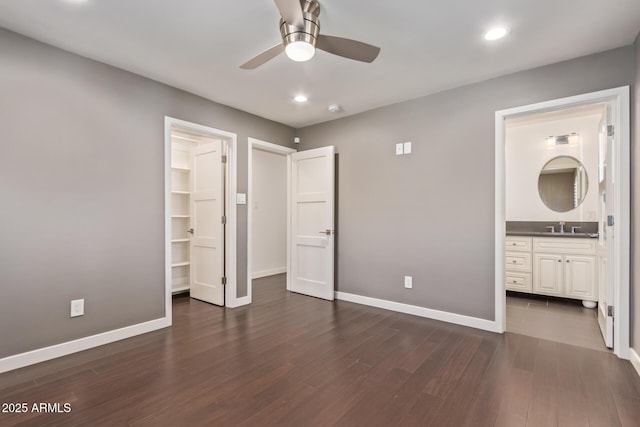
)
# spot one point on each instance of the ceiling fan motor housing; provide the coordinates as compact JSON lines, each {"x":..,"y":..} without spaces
{"x":309,"y":32}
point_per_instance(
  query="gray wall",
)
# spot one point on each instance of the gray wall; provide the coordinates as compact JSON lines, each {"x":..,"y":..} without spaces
{"x":81,"y":190}
{"x":430,"y":214}
{"x":635,"y":204}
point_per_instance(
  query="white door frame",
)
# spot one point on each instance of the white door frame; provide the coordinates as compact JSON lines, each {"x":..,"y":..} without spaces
{"x":276,"y":149}
{"x":230,"y":139}
{"x":619,"y":96}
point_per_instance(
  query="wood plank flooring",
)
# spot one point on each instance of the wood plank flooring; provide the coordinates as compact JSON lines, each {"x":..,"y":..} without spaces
{"x":291,"y":360}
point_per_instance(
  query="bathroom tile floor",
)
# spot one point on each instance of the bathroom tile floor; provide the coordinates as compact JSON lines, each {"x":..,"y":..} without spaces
{"x":554,"y":319}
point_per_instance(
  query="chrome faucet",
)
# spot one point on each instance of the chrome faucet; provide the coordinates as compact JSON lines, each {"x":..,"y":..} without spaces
{"x":573,"y":229}
{"x":562,"y":226}
{"x":552,"y":228}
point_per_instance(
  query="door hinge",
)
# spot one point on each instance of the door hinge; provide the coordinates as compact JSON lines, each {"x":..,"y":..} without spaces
{"x":609,"y":311}
{"x":610,"y":221}
{"x":611,"y":130}
{"x":224,"y":280}
{"x":224,"y":219}
{"x":224,"y":158}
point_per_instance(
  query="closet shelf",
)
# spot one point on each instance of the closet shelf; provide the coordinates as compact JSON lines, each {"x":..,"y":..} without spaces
{"x":180,"y":264}
{"x":179,"y":192}
{"x":179,"y":240}
{"x":180,"y":169}
{"x":180,"y":289}
{"x":180,"y":216}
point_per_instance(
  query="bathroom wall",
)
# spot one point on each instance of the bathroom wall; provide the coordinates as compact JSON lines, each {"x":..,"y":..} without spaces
{"x":526,"y":152}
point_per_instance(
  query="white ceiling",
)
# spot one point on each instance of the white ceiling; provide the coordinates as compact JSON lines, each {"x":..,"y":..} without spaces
{"x":427,"y":46}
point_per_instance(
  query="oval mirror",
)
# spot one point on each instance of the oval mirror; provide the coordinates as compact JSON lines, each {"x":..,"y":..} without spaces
{"x":563,"y":183}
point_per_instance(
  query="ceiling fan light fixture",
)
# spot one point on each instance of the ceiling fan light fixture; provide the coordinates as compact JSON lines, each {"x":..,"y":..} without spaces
{"x":300,"y":51}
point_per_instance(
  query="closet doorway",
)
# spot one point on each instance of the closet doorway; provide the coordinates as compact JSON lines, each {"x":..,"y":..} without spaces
{"x":199,"y":222}
{"x":268,"y":215}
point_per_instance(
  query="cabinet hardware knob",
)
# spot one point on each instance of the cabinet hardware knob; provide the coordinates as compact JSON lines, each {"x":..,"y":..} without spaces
{"x":567,"y":260}
{"x":190,"y":230}
{"x":559,"y":260}
{"x":514,"y":261}
{"x":514,"y":244}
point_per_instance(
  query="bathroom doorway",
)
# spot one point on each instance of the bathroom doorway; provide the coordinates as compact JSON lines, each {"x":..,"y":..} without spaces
{"x":562,"y":227}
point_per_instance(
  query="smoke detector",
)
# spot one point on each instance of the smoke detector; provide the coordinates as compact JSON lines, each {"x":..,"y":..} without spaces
{"x":334,"y":108}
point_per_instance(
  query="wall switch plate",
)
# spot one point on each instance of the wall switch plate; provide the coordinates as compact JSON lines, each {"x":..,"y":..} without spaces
{"x":77,"y":307}
{"x":408,"y":282}
{"x":241,"y":199}
{"x":399,"y":149}
{"x":407,"y":147}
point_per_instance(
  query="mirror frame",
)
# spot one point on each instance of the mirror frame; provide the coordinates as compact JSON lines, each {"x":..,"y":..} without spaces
{"x":576,"y":203}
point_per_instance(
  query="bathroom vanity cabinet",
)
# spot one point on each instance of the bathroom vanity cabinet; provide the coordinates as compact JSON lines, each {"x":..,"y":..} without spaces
{"x":517,"y":258}
{"x":555,"y":266}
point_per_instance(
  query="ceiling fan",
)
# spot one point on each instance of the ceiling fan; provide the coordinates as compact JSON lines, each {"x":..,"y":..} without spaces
{"x":300,"y":30}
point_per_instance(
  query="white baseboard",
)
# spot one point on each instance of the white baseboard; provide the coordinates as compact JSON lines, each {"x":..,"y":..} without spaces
{"x":239,"y":302}
{"x":52,"y":352}
{"x":458,"y":319}
{"x":635,"y":360}
{"x":270,"y":272}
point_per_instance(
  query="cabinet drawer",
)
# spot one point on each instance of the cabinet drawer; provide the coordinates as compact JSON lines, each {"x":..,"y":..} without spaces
{"x":517,"y":261}
{"x":520,"y":282}
{"x":517,"y":244}
{"x":555,"y":245}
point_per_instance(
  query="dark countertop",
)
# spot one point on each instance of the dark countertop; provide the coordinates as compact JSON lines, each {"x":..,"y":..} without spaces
{"x":549,"y":234}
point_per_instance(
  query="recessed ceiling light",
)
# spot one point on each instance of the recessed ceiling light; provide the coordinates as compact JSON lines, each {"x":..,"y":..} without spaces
{"x":496,"y":33}
{"x":301,"y":98}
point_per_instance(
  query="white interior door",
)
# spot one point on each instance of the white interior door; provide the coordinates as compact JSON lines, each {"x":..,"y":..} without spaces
{"x":606,"y":244}
{"x":207,"y":210}
{"x":312,"y":223}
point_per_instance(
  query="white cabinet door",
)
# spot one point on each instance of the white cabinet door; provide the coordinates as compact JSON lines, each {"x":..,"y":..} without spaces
{"x":579,"y":277}
{"x":312,"y":222}
{"x":207,"y":209}
{"x":547,"y":274}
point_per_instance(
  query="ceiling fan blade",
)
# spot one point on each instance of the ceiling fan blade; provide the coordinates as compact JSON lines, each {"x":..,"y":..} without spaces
{"x":291,"y":12}
{"x":263,"y":57}
{"x":348,"y":48}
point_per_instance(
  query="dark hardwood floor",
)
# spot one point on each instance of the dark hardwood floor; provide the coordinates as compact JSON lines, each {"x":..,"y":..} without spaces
{"x":291,"y":360}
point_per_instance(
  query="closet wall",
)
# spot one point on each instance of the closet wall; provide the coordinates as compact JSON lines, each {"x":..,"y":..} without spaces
{"x":269,"y":233}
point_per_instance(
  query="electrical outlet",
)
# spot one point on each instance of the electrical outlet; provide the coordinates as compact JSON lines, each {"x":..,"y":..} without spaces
{"x":77,"y":307}
{"x":408,"y":282}
{"x":399,"y":148}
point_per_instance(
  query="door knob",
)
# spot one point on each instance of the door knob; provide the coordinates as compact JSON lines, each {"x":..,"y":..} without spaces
{"x":190,"y":230}
{"x":327,"y":232}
